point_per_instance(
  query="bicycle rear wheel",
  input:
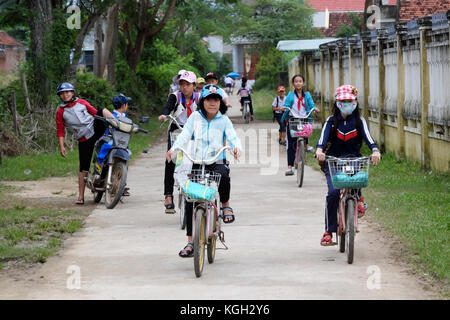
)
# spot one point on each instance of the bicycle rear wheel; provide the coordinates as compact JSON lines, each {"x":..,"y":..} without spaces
{"x":246,"y":113}
{"x":350,"y":230}
{"x":301,"y":162}
{"x":199,"y":240}
{"x":181,"y":207}
{"x":211,"y":249}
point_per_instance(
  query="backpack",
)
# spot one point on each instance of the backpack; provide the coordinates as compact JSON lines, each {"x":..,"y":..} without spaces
{"x":179,"y":111}
{"x":243,"y":92}
{"x":273,"y":120}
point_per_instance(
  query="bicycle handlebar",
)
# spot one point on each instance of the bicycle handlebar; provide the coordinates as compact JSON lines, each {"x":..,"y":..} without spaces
{"x":170,"y":117}
{"x":347,"y":158}
{"x":207,"y":161}
{"x":307,"y":116}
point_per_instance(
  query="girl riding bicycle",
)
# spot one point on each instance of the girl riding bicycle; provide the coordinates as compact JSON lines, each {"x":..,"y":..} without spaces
{"x":182,"y":103}
{"x":300,"y":104}
{"x":209,"y":126}
{"x":342,"y":136}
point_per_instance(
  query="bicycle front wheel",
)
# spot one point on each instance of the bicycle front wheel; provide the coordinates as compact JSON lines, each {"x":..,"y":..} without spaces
{"x":350,"y":230}
{"x":199,"y":240}
{"x":301,"y":162}
{"x":211,"y":249}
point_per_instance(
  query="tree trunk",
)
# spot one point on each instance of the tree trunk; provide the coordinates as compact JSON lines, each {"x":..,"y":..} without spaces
{"x":88,"y":25}
{"x":98,"y":48}
{"x":40,"y":27}
{"x":146,"y":28}
{"x":112,"y":54}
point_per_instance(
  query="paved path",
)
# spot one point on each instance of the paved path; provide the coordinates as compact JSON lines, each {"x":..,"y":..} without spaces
{"x":131,"y":252}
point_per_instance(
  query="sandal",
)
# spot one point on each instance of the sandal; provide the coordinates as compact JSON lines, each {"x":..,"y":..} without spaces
{"x":361,"y":208}
{"x":327,"y":239}
{"x":229,"y":215}
{"x":186,"y":253}
{"x":289,"y":172}
{"x":170,"y":207}
{"x":79,"y":202}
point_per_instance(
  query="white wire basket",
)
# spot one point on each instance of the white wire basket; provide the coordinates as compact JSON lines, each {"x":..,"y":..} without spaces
{"x":300,"y":127}
{"x":352,"y":173}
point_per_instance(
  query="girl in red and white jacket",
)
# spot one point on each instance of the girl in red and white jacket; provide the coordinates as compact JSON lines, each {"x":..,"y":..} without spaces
{"x":78,"y":115}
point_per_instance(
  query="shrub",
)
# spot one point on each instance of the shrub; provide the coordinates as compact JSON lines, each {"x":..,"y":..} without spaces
{"x":98,"y":92}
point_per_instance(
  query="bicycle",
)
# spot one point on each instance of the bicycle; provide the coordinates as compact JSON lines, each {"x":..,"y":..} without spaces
{"x":300,"y":128}
{"x":201,"y":190}
{"x":349,"y":175}
{"x":181,"y":197}
{"x":246,"y":111}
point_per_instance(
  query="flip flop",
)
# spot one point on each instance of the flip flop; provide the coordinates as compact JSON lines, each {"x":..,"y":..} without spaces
{"x":229,"y":215}
{"x":79,"y":202}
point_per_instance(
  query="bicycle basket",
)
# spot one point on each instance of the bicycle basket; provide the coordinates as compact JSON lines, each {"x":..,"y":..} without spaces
{"x":174,"y":135}
{"x":202,"y":186}
{"x":300,"y":127}
{"x":352,"y":173}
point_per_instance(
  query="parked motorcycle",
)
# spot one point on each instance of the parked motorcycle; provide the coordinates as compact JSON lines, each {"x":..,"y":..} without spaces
{"x":110,"y":175}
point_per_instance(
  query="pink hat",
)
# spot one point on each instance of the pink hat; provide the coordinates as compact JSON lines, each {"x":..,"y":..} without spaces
{"x":346,"y":92}
{"x":188,"y":76}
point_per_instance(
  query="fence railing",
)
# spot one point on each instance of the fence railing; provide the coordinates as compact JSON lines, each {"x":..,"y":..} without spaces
{"x":403,"y":78}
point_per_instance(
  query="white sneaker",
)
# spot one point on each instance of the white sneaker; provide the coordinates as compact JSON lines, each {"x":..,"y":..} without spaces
{"x":310,"y":149}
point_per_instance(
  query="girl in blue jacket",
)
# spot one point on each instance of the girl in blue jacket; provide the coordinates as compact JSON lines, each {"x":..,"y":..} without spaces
{"x":300,"y":104}
{"x":209,"y":126}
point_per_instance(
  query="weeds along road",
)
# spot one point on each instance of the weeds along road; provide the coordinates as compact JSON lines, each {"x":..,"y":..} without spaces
{"x":131,"y":252}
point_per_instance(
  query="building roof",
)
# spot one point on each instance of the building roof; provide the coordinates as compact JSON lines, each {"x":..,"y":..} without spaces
{"x":7,"y":40}
{"x":337,"y":5}
{"x":411,"y":9}
{"x":302,"y":45}
{"x":336,"y":19}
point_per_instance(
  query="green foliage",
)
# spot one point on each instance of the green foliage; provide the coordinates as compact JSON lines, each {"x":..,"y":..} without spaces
{"x":98,"y":92}
{"x":346,"y":30}
{"x":270,"y":21}
{"x":267,"y":68}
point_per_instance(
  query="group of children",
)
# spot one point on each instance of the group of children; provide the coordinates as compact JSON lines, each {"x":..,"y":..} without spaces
{"x":200,"y":108}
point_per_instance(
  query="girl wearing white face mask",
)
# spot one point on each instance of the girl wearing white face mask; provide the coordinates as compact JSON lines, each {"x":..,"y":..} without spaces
{"x":342,"y":136}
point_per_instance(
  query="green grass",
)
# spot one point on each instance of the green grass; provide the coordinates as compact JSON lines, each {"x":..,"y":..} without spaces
{"x":413,"y":205}
{"x":262,"y":104}
{"x":40,"y":166}
{"x":32,"y":234}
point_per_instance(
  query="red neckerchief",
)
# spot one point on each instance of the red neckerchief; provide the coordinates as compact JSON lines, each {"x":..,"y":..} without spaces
{"x":300,"y":101}
{"x":188,"y":106}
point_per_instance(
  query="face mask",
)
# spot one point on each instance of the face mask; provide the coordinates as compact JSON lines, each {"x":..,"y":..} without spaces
{"x":346,"y":108}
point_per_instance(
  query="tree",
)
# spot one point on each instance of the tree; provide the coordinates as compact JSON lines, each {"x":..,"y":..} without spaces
{"x":346,"y":30}
{"x":142,"y":19}
{"x":269,"y":21}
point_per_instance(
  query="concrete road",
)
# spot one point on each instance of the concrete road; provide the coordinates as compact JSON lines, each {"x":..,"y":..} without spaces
{"x":131,"y":252}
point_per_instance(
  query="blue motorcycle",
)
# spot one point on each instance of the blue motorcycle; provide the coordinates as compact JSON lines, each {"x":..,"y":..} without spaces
{"x":111,"y":157}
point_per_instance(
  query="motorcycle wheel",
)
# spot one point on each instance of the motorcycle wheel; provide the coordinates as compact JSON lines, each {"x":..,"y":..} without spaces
{"x":118,"y":182}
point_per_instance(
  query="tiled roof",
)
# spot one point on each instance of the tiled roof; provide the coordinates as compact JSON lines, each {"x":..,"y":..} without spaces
{"x":337,"y":5}
{"x":7,"y":40}
{"x":411,"y":9}
{"x":336,"y":19}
